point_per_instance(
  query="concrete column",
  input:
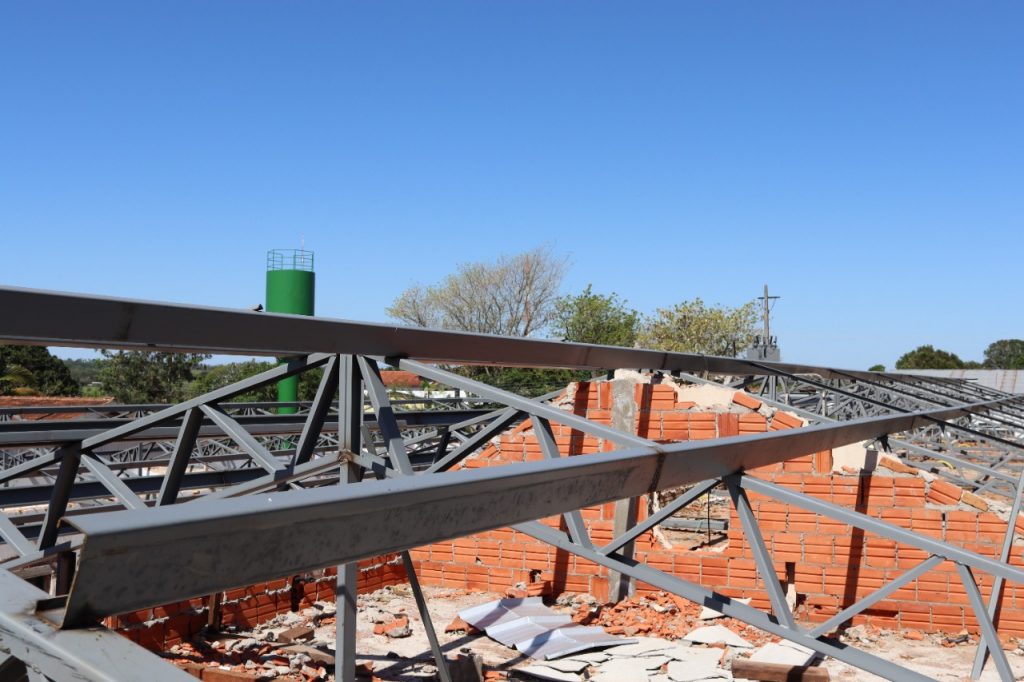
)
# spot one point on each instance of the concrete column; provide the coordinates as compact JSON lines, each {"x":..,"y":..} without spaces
{"x":623,"y":419}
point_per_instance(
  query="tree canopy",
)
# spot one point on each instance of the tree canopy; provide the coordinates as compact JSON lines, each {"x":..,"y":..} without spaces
{"x":33,"y":370}
{"x":928,"y":357}
{"x":209,"y":378}
{"x":595,"y":318}
{"x":694,"y":327}
{"x":148,"y":377}
{"x":1005,"y":354}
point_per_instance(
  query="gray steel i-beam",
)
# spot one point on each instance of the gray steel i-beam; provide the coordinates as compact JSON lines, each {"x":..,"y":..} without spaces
{"x":61,"y":319}
{"x":316,"y":528}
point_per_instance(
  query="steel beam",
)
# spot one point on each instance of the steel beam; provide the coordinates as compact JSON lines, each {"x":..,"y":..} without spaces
{"x":94,"y":655}
{"x":315,"y":528}
{"x":50,"y":318}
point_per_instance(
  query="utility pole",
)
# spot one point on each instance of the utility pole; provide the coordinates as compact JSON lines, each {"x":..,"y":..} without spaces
{"x":766,"y":340}
{"x":766,"y":300}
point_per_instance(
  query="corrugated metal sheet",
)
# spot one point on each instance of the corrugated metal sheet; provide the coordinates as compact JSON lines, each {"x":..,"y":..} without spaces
{"x":534,"y":629}
{"x":568,"y":640}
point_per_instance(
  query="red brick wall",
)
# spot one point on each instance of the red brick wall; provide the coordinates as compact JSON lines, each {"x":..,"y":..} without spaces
{"x":834,"y":564}
{"x":164,"y":626}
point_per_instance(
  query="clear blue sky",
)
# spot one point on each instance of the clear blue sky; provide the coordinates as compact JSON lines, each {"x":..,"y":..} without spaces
{"x":865,"y":159}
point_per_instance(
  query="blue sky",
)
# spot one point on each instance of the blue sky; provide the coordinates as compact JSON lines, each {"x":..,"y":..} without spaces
{"x":864,"y":159}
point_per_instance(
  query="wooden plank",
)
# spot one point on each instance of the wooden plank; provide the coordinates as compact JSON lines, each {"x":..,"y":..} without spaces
{"x":777,"y":672}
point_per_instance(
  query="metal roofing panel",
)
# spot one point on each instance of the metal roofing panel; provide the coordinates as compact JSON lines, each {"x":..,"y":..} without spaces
{"x":504,"y":611}
{"x":567,"y":640}
{"x":520,"y":629}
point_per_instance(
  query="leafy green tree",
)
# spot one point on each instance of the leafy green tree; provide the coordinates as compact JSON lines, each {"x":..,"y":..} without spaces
{"x":149,"y":377}
{"x":213,"y":377}
{"x":594,"y":318}
{"x":217,"y":376}
{"x":527,"y":381}
{"x":928,"y":357}
{"x":85,"y":371}
{"x":694,"y":327}
{"x":1005,"y":354}
{"x":876,"y":368}
{"x":17,"y":380}
{"x":33,"y":369}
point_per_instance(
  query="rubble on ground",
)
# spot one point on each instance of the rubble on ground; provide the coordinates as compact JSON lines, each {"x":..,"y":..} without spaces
{"x":672,"y":643}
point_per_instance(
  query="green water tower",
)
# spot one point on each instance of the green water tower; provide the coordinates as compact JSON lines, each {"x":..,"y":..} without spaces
{"x":291,"y":288}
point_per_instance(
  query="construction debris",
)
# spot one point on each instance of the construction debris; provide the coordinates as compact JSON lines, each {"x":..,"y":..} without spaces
{"x":533,"y":628}
{"x":777,"y":672}
{"x":717,"y":634}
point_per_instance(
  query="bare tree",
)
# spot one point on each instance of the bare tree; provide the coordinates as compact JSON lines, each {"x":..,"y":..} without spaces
{"x":514,"y":296}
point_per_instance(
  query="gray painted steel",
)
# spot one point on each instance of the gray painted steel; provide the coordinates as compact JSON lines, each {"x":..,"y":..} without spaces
{"x":64,"y":319}
{"x":132,"y":560}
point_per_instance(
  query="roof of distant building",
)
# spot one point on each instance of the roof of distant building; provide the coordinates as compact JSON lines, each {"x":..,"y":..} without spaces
{"x":1008,"y":380}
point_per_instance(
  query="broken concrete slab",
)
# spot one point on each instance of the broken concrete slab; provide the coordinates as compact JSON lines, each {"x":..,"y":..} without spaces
{"x":685,"y":651}
{"x":798,"y":647}
{"x":621,"y":670}
{"x":699,"y":664}
{"x":543,"y":672}
{"x":653,"y":662}
{"x":680,"y":671}
{"x":642,"y":646}
{"x":718,"y":634}
{"x":781,"y":655}
{"x":592,"y":658}
{"x":567,"y":665}
{"x":708,"y":613}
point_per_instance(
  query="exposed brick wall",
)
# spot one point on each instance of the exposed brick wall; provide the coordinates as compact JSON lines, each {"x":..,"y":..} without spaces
{"x":164,"y":626}
{"x":833,"y":564}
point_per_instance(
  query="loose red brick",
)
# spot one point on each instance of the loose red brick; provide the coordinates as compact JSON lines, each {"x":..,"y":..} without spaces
{"x":941,"y":492}
{"x":746,"y":400}
{"x":786,"y":420}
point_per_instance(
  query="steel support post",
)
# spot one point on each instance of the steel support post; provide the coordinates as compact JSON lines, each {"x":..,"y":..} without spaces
{"x":988,"y":630}
{"x":999,"y":582}
{"x":428,"y":623}
{"x":346,"y":587}
{"x":183,"y":447}
{"x":762,"y":558}
{"x":317,"y":413}
{"x":573,"y":519}
{"x":386,"y":420}
{"x":71,"y":456}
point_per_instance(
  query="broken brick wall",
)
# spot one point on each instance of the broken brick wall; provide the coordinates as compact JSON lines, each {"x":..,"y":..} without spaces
{"x":831,"y":564}
{"x":162,"y":627}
